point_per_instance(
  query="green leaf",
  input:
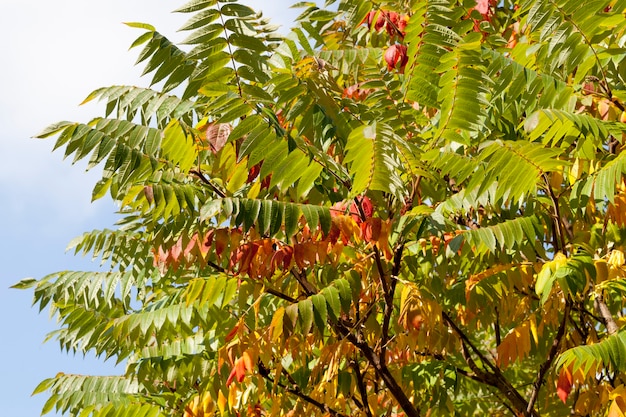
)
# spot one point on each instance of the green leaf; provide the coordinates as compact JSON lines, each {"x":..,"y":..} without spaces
{"x":345,"y":294}
{"x":139,"y":25}
{"x":305,"y":311}
{"x":333,"y":300}
{"x":25,"y":283}
{"x":320,"y":311}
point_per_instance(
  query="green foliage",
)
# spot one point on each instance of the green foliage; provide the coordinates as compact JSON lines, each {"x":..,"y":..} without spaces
{"x":399,"y":208}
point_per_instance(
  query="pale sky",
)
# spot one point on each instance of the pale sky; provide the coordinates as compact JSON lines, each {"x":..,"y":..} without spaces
{"x":54,"y":53}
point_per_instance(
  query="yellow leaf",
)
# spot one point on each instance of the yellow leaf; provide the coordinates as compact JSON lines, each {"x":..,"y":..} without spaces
{"x":618,"y":407}
{"x":276,"y":327}
{"x":238,"y":178}
{"x":222,"y":402}
{"x":233,"y":391}
{"x":556,"y":180}
{"x":602,"y":270}
{"x":575,"y":171}
{"x":207,"y":403}
{"x":616,"y":258}
{"x":253,"y":192}
{"x":533,"y":329}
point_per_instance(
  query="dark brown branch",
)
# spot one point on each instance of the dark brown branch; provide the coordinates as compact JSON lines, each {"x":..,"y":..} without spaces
{"x":300,"y":276}
{"x":280,"y":295}
{"x":362,"y":388}
{"x":465,"y":339}
{"x":381,"y":370}
{"x":389,"y":296}
{"x":215,"y":266}
{"x":208,"y":182}
{"x":496,"y":326}
{"x":556,"y":218}
{"x":494,"y":378}
{"x":297,"y":391}
{"x":372,"y":357}
{"x":543,"y":369}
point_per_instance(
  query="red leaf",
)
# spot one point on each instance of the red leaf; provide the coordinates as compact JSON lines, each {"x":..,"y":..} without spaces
{"x":404,"y":20}
{"x":338,"y":209}
{"x":253,"y":173}
{"x":231,"y":377}
{"x":392,"y":24}
{"x":240,"y":369}
{"x":564,"y":385}
{"x":396,"y":57}
{"x":380,"y":21}
{"x":232,"y":333}
{"x":366,"y":206}
{"x":206,"y":243}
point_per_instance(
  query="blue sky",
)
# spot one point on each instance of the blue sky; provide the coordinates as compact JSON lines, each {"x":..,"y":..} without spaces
{"x":53,"y":55}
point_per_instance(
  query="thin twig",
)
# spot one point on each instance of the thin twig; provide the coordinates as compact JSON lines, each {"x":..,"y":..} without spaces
{"x":543,"y":369}
{"x":208,"y":182}
{"x":362,"y":388}
{"x":297,"y":391}
{"x":280,"y":295}
{"x":556,"y":217}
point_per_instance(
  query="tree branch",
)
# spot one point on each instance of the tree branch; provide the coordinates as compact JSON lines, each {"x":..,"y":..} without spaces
{"x":381,"y":370}
{"x":297,"y":391}
{"x":496,"y":327}
{"x":556,"y":218}
{"x":495,"y":378}
{"x":300,"y":276}
{"x":543,"y":369}
{"x":208,"y":182}
{"x":372,"y":357}
{"x":280,"y":295}
{"x":362,"y":388}
{"x":389,"y":296}
{"x":605,"y":314}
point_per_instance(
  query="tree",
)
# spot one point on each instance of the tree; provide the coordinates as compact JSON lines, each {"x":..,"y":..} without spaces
{"x":408,"y":208}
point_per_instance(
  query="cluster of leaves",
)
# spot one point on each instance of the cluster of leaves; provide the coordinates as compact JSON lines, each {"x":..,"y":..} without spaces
{"x":400,"y":208}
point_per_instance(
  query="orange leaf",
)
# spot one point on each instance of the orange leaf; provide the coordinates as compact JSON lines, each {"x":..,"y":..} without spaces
{"x":231,"y":377}
{"x":232,"y":333}
{"x":205,"y":244}
{"x":564,"y":384}
{"x":240,"y":369}
{"x":221,"y":241}
{"x":370,"y":230}
{"x":247,"y":361}
{"x":238,"y":372}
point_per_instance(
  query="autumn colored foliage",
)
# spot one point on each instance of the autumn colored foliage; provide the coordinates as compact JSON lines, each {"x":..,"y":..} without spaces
{"x":398,"y":209}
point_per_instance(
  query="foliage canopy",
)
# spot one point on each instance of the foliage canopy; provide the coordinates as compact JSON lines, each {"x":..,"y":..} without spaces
{"x":400,"y":208}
